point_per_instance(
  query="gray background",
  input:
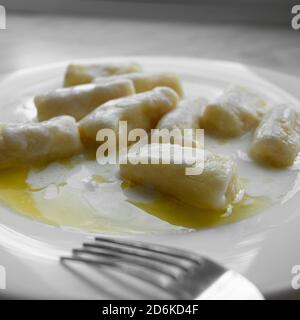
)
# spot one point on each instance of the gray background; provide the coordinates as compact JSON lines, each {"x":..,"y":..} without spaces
{"x":247,"y":31}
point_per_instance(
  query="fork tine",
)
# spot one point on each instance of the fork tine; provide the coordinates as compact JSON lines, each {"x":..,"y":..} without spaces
{"x":90,"y":261}
{"x":137,"y":260}
{"x":176,"y":253}
{"x":138,"y":253}
{"x":152,"y":266}
{"x":162,"y":282}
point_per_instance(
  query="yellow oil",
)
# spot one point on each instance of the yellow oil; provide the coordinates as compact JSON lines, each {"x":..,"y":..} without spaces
{"x":222,"y":141}
{"x":70,"y":210}
{"x":65,"y":210}
{"x":15,"y":193}
{"x":178,"y":213}
{"x":98,"y":179}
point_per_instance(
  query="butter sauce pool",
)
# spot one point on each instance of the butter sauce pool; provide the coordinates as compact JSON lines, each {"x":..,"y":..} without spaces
{"x":55,"y":205}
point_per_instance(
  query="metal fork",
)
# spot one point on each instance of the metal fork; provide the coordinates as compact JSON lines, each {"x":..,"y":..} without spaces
{"x":183,"y":274}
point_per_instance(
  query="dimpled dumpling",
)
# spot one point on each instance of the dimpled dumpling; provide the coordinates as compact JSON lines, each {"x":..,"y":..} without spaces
{"x":140,"y":111}
{"x":29,"y":143}
{"x":185,"y":116}
{"x":234,"y":112}
{"x":80,"y":100}
{"x":215,"y":188}
{"x":276,"y":141}
{"x":143,"y":81}
{"x":85,"y":73}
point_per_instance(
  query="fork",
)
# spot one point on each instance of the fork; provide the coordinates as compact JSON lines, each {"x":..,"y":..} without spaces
{"x":182,"y":274}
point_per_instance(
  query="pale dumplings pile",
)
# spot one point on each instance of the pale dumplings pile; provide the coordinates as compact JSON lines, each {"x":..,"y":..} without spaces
{"x":96,"y":97}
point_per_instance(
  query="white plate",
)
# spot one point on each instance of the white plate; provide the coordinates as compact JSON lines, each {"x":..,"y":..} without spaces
{"x":263,"y":247}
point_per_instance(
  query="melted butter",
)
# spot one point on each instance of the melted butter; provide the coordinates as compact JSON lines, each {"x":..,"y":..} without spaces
{"x":98,"y":179}
{"x":222,"y":141}
{"x":56,"y":206}
{"x":184,"y":215}
{"x":15,"y":193}
{"x":65,"y":210}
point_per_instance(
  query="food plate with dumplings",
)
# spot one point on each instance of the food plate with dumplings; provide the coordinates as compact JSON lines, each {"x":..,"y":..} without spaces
{"x":54,"y":193}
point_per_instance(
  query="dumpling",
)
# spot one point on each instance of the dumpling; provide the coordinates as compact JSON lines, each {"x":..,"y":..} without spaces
{"x":141,"y":111}
{"x":185,"y":116}
{"x":215,"y":188}
{"x":85,"y":73}
{"x":147,"y":81}
{"x":276,"y":141}
{"x":80,"y":100}
{"x":233,"y":113}
{"x":29,"y":143}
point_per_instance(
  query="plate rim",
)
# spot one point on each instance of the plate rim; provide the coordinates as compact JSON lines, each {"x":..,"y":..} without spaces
{"x":191,"y":60}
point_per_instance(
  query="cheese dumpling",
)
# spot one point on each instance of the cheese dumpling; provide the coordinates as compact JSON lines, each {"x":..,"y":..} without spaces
{"x":143,"y":81}
{"x":29,"y":143}
{"x":276,"y":141}
{"x":85,"y":73}
{"x":141,"y":111}
{"x":215,"y":188}
{"x":185,"y":116}
{"x":80,"y":100}
{"x":233,"y":113}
